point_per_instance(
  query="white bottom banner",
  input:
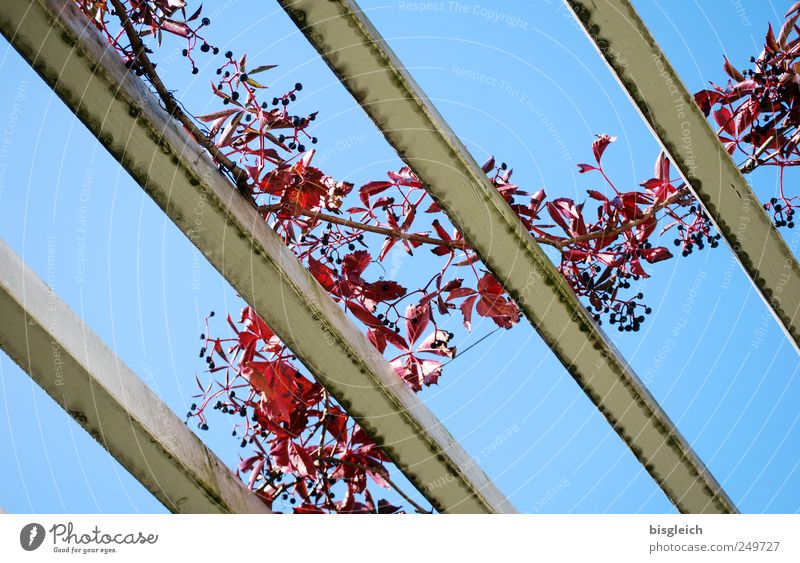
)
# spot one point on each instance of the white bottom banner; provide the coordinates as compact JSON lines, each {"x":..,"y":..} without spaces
{"x":118,"y":538}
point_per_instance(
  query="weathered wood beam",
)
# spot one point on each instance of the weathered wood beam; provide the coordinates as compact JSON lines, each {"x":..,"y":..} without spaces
{"x":49,"y":342}
{"x":116,"y":106}
{"x":367,"y":67}
{"x":644,"y":72}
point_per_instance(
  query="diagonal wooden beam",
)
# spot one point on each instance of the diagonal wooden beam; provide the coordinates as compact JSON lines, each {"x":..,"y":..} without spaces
{"x":49,"y":342}
{"x":644,"y":72}
{"x":116,"y":106}
{"x":365,"y":64}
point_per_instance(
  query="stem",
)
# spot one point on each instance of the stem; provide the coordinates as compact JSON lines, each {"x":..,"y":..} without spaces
{"x":394,"y":233}
{"x":172,"y":107}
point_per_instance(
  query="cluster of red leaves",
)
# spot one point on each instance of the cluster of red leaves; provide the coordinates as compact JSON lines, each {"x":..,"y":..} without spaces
{"x":154,"y":18}
{"x":600,"y":256}
{"x":305,"y":449}
{"x":758,"y":110}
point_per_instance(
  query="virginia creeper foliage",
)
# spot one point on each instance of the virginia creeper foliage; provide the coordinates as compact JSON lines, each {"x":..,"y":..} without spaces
{"x":304,"y":452}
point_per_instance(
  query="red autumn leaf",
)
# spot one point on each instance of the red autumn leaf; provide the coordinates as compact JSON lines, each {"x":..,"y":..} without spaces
{"x":724,"y":119}
{"x":322,"y":273}
{"x":656,"y":254}
{"x":254,"y":323}
{"x":706,"y":99}
{"x":436,"y":343}
{"x":361,"y":313}
{"x":600,"y":144}
{"x":731,"y":70}
{"x":377,"y":339}
{"x":417,"y":319}
{"x":393,"y":338}
{"x":300,"y":460}
{"x":177,"y":28}
{"x":494,"y":304}
{"x":383,"y":290}
{"x":371,"y":188}
{"x":405,"y":177}
{"x":353,"y":265}
{"x":636,"y":268}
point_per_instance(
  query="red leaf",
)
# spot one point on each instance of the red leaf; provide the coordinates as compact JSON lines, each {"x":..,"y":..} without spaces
{"x":300,"y":461}
{"x":706,"y":100}
{"x":372,"y":188}
{"x":724,"y":119}
{"x":731,"y":70}
{"x":636,"y":268}
{"x":361,"y":313}
{"x":384,"y":290}
{"x":377,"y":338}
{"x":394,"y":339}
{"x":217,"y":114}
{"x":353,"y":265}
{"x":600,"y":144}
{"x":656,"y":254}
{"x":466,"y":310}
{"x":443,"y":338}
{"x":178,"y":28}
{"x":443,"y":234}
{"x":417,"y":319}
{"x":322,"y":273}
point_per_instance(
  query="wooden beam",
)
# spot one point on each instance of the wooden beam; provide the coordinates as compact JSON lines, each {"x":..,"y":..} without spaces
{"x":49,"y":342}
{"x":116,"y":106}
{"x":648,"y":78}
{"x":365,"y":64}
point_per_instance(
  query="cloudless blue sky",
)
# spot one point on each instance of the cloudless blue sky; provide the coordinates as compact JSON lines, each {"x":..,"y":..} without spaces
{"x":526,"y":86}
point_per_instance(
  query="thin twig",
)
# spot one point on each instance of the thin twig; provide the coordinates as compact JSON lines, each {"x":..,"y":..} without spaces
{"x":393,"y":233}
{"x":170,"y":104}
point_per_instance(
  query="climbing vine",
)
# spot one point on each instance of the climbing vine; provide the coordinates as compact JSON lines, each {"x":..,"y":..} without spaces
{"x":303,"y":452}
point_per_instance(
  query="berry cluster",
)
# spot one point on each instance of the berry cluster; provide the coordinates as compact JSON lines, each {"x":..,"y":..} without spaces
{"x":757,"y":111}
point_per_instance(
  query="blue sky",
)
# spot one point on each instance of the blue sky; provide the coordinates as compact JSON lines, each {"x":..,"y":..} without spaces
{"x":522,"y":83}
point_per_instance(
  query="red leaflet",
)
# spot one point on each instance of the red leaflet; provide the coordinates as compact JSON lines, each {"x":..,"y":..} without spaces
{"x":372,"y":188}
{"x":706,"y":99}
{"x":731,"y":70}
{"x":599,"y":146}
{"x":466,"y":310}
{"x":417,"y":319}
{"x":724,"y":119}
{"x":300,"y":461}
{"x":656,"y":254}
{"x":494,"y":304}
